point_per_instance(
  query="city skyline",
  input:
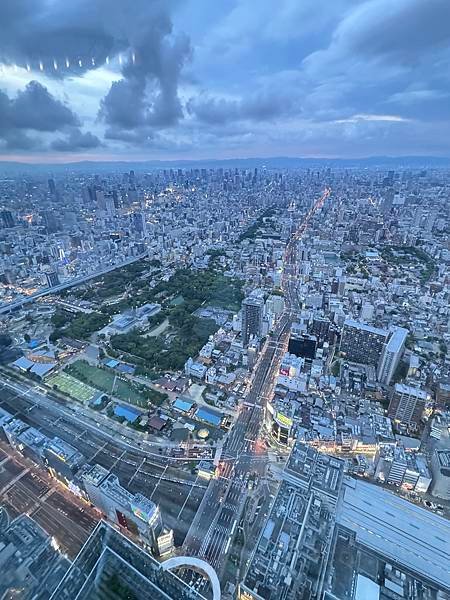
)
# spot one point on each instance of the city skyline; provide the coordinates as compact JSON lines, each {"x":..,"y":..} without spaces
{"x":190,"y":81}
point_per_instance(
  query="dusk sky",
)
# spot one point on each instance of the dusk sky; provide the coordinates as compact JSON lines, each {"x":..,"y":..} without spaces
{"x":143,"y":79}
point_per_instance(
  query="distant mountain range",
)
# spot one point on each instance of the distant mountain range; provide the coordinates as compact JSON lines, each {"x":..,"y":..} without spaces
{"x":278,"y":162}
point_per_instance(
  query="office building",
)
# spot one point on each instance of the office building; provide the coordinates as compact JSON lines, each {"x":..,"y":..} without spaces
{"x":368,"y":345}
{"x":52,"y":279}
{"x":62,"y":460}
{"x":108,"y":561}
{"x":30,"y":565}
{"x":391,"y":355}
{"x":139,"y":224}
{"x":321,"y":329}
{"x":12,"y":428}
{"x":31,"y":443}
{"x":303,"y":345}
{"x":135,"y":513}
{"x":7,"y":219}
{"x":52,"y":187}
{"x":50,"y":221}
{"x":279,"y":420}
{"x":252,"y":317}
{"x":407,"y":404}
{"x":398,"y":467}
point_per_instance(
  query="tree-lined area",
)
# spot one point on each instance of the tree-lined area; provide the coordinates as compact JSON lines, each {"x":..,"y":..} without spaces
{"x":79,"y":326}
{"x":187,"y":333}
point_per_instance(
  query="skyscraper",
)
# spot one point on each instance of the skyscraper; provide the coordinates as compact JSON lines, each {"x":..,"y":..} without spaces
{"x":52,"y":279}
{"x":252,"y":317}
{"x":391,"y":355}
{"x":109,"y":558}
{"x":52,"y":187}
{"x":50,"y":221}
{"x":7,"y":219}
{"x":140,"y":224}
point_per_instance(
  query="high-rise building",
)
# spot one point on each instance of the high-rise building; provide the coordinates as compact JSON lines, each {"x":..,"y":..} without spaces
{"x":391,"y":355}
{"x":50,"y":221}
{"x":361,"y":343}
{"x":252,"y":316}
{"x":139,"y":224}
{"x":135,"y":512}
{"x":52,"y":278}
{"x":31,"y":565}
{"x":108,"y":561}
{"x":109,"y":205}
{"x":407,"y":404}
{"x":303,"y":345}
{"x":52,"y":187}
{"x":7,"y":218}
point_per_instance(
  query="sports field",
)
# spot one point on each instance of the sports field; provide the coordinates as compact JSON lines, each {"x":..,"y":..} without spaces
{"x":73,"y":387}
{"x":105,"y":380}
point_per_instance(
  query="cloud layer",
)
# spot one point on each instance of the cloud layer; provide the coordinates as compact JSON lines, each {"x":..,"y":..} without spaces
{"x":189,"y":79}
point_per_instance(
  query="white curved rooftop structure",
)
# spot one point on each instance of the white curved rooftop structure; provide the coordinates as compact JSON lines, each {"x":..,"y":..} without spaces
{"x":197,"y":564}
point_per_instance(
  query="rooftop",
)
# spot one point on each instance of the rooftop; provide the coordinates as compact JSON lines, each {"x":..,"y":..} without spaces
{"x":364,"y":327}
{"x":313,"y":469}
{"x":404,"y":533}
{"x":397,"y":339}
{"x":401,"y":388}
{"x":63,"y":450}
{"x":108,"y":552}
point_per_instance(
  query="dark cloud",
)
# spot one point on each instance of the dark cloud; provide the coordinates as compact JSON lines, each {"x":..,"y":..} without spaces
{"x":148,"y":93}
{"x":124,"y":106}
{"x":39,"y":30}
{"x":15,"y":139}
{"x":86,"y":33}
{"x":146,"y":138}
{"x":76,"y":141}
{"x":404,"y":30}
{"x":264,"y":106}
{"x":314,"y":77}
{"x":33,"y":109}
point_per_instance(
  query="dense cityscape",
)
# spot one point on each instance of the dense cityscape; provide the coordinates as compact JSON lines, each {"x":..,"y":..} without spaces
{"x":225,"y":300}
{"x":234,"y":381}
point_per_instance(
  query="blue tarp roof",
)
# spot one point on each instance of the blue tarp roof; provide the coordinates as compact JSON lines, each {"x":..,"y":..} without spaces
{"x":207,"y":415}
{"x":183,"y":405}
{"x":130,"y":414}
{"x":112,"y":362}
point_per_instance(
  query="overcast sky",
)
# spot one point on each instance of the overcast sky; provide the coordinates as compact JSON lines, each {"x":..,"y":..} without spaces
{"x":137,"y":79}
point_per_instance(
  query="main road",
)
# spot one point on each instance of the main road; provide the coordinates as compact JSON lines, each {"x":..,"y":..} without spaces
{"x":213,"y":528}
{"x":10,"y":306}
